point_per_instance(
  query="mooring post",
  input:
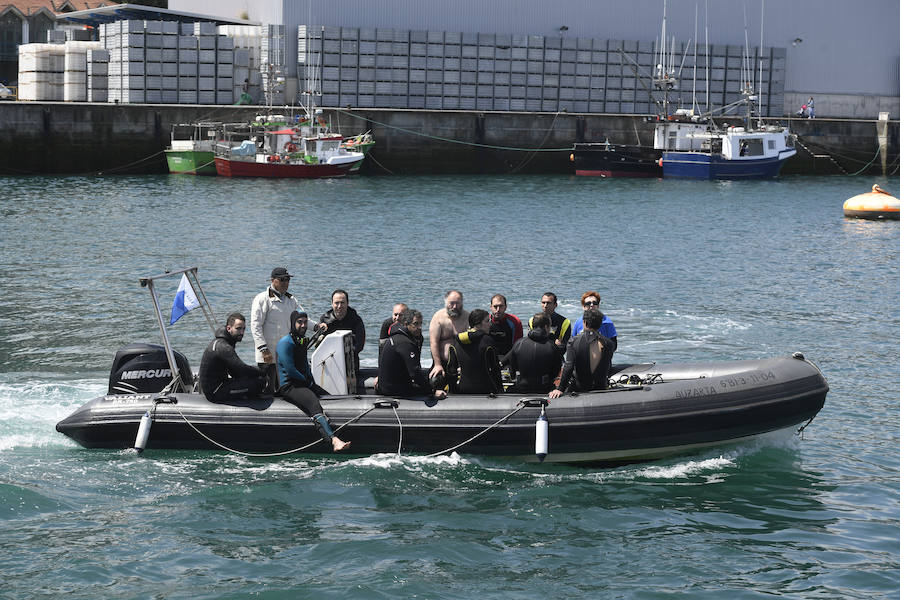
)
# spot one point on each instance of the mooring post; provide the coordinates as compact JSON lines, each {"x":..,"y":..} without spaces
{"x":881,"y":128}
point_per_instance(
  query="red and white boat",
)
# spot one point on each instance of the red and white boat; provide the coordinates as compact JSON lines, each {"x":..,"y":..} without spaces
{"x":307,"y":150}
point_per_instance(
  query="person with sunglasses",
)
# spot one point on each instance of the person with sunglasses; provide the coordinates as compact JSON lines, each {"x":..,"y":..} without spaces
{"x":591,"y":300}
{"x":270,"y":320}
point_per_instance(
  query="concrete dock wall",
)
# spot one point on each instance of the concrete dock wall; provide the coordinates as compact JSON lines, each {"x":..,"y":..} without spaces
{"x":107,"y":138}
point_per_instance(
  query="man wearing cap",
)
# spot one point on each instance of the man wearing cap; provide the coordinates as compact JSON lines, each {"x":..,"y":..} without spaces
{"x":270,"y":321}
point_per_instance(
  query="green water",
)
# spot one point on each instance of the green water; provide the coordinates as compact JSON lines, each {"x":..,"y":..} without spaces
{"x":687,"y":271}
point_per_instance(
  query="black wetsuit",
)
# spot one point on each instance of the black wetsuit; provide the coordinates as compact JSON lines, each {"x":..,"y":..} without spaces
{"x":473,"y":366}
{"x":537,"y":359}
{"x":386,"y":333}
{"x":224,"y":376}
{"x":560,"y":327}
{"x":577,"y":373}
{"x":399,"y":369}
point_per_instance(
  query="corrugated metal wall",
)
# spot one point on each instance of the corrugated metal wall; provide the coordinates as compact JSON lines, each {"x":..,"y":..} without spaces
{"x":833,"y":46}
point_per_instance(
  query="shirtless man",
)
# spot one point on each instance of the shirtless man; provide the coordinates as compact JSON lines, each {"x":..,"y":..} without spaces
{"x":445,"y":324}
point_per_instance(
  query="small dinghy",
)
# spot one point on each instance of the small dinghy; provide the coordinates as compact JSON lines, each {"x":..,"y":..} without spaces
{"x":650,"y":411}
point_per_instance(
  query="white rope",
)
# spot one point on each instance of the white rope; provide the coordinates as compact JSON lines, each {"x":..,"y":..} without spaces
{"x":477,"y":435}
{"x":268,"y":454}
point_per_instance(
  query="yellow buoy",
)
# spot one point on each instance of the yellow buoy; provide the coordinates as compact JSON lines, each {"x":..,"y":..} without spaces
{"x":877,"y":204}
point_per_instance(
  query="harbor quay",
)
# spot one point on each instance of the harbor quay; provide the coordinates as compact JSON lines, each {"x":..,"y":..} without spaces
{"x":102,"y":138}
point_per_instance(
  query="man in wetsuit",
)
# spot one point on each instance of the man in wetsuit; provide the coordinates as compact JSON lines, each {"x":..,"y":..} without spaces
{"x":588,"y":358}
{"x":343,"y":317}
{"x":506,"y":328}
{"x":295,"y":378}
{"x":386,"y":324}
{"x":560,"y":327}
{"x":473,"y":366}
{"x":223,"y":375}
{"x":399,"y":370}
{"x":535,"y":360}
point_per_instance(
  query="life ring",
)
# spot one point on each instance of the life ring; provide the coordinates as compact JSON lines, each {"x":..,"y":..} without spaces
{"x":290,"y":147}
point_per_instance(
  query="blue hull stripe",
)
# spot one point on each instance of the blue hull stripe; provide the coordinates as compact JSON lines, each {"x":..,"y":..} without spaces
{"x":695,"y":165}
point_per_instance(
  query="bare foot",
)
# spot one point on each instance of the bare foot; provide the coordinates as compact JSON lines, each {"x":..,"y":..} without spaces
{"x":337,"y":444}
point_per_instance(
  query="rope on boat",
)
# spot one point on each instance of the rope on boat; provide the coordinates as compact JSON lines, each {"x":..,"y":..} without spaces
{"x":131,"y":164}
{"x":522,"y":404}
{"x":452,"y":141}
{"x":877,"y":152}
{"x":400,"y":424}
{"x":268,"y":454}
{"x":804,"y":426}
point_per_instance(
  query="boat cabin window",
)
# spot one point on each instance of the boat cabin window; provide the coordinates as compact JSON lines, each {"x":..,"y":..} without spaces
{"x":771,"y":144}
{"x":751,"y":147}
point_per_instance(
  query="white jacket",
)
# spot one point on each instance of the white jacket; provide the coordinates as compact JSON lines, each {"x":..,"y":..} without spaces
{"x":270,"y":319}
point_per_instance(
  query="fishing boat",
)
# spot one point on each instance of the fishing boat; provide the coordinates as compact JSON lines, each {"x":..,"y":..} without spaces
{"x":306,"y":149}
{"x":730,"y":152}
{"x":616,"y":160}
{"x":650,"y":410}
{"x":690,"y":144}
{"x":192,"y":146}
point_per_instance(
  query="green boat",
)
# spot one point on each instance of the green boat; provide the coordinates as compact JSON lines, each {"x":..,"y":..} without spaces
{"x":192,"y":149}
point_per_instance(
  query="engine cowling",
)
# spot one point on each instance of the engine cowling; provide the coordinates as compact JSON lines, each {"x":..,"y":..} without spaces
{"x":144,"y":368}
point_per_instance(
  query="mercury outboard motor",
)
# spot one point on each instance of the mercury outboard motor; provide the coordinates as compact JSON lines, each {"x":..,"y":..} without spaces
{"x":144,"y":369}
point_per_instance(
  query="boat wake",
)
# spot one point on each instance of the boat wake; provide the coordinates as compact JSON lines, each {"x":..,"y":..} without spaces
{"x":32,"y":403}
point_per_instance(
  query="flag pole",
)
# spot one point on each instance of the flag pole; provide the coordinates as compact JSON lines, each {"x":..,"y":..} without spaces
{"x":176,"y":375}
{"x":204,"y":304}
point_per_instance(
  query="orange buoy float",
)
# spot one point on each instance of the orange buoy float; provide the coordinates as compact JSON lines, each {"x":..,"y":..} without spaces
{"x":877,"y":204}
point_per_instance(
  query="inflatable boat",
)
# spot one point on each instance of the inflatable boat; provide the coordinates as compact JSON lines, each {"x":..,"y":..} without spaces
{"x":650,"y":411}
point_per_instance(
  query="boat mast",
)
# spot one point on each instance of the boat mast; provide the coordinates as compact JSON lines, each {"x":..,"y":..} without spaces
{"x":762,"y":16}
{"x":706,"y":26}
{"x":694,"y":107}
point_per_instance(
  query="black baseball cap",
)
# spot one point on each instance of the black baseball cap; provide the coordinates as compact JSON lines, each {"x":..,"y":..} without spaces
{"x":280,"y":272}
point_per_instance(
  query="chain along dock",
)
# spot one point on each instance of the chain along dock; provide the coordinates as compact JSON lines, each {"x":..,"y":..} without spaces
{"x":103,"y":138}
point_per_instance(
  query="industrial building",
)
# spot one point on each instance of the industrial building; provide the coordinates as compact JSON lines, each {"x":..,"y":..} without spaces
{"x":577,"y":56}
{"x":845,"y":54}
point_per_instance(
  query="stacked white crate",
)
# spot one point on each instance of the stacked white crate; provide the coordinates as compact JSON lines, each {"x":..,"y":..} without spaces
{"x":246,"y":74}
{"x":77,"y":35}
{"x":272,"y":62}
{"x":75,"y":74}
{"x":125,"y":41}
{"x":309,"y":61}
{"x":205,"y":62}
{"x":190,"y":53}
{"x":153,"y":61}
{"x":41,"y":71}
{"x":97,"y":67}
{"x":246,"y":37}
{"x":224,"y":79}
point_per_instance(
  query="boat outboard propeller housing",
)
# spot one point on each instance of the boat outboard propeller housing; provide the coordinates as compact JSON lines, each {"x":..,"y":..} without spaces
{"x":143,"y":368}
